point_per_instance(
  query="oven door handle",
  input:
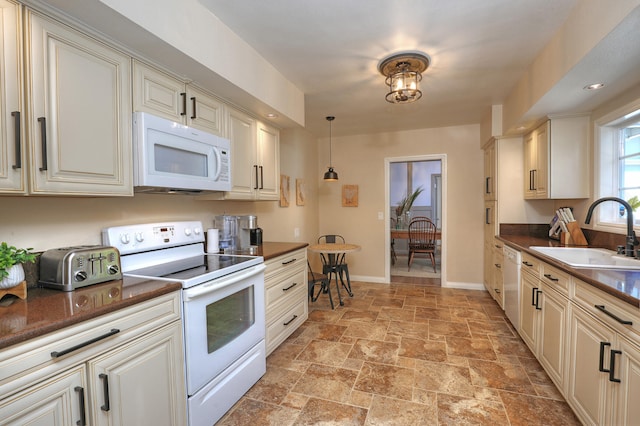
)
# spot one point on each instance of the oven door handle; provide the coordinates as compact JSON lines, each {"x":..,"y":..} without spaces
{"x":208,"y":288}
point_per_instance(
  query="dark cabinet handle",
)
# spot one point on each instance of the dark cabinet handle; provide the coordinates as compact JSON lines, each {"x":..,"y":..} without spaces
{"x":83,"y":417}
{"x":291,"y":320}
{"x":533,"y":296}
{"x":255,"y":167}
{"x":193,"y":106}
{"x":261,"y":177}
{"x":43,"y":141}
{"x":612,"y":366}
{"x":290,"y":287}
{"x":289,"y":261}
{"x":105,"y":387}
{"x":56,"y":354}
{"x":184,"y":103}
{"x":550,"y":278}
{"x":601,"y":362}
{"x":497,"y":290}
{"x":535,"y":179}
{"x":486,"y":216}
{"x":530,"y":180}
{"x":16,"y":116}
{"x":538,"y":293}
{"x":615,"y":317}
{"x":498,"y":265}
{"x":486,"y":185}
{"x":525,"y":263}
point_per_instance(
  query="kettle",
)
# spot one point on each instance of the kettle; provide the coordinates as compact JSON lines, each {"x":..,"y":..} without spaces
{"x":255,"y":237}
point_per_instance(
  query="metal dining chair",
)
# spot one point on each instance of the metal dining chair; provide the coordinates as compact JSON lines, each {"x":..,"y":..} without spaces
{"x":322,"y":281}
{"x":394,"y":257}
{"x":336,"y":263}
{"x":422,"y":239}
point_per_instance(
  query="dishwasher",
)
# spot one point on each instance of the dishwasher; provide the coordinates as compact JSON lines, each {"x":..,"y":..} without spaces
{"x":511,"y":275}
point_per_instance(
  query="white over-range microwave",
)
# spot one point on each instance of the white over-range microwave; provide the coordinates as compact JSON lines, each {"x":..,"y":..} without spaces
{"x":171,"y":157}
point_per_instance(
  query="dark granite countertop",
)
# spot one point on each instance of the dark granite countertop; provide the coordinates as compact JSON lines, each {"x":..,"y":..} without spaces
{"x":623,"y":284}
{"x":47,"y":310}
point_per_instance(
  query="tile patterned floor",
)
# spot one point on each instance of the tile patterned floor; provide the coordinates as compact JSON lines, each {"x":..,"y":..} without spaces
{"x":409,"y":353}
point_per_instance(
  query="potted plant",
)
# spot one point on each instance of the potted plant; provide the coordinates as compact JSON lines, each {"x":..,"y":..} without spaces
{"x":406,"y":203}
{"x":11,"y":260}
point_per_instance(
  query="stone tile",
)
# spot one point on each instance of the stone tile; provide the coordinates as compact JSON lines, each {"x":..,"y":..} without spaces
{"x":360,"y":399}
{"x":536,"y":373}
{"x":362,"y":330}
{"x":387,"y":380}
{"x":398,"y":314}
{"x":457,"y":410}
{"x":526,"y":411}
{"x":355,"y":302}
{"x":439,"y":329}
{"x":493,"y":328}
{"x":426,"y":314}
{"x":471,"y":313}
{"x":409,"y":329}
{"x":285,"y":356}
{"x":295,"y":401}
{"x":451,"y":300}
{"x":548,"y":391}
{"x":325,"y":315}
{"x":510,"y":346}
{"x":388,"y":301}
{"x":500,"y":376}
{"x":410,"y":292}
{"x":249,"y":411}
{"x":391,"y":411}
{"x":426,"y":302}
{"x":439,"y":377}
{"x":324,"y":352}
{"x":318,"y":331}
{"x":326,"y":382}
{"x":428,"y":350}
{"x":320,"y":412}
{"x":274,"y":386}
{"x":470,"y":348}
{"x":359,"y":315}
{"x":375,"y":350}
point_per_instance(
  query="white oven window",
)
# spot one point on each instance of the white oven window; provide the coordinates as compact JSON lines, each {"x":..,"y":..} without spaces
{"x":178,"y":161}
{"x":230,"y":317}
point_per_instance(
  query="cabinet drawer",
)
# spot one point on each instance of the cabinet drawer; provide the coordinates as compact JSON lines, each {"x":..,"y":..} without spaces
{"x":285,"y":324}
{"x":555,"y":278}
{"x":22,"y":364}
{"x":588,"y":297}
{"x":290,"y":261}
{"x":283,"y":288}
{"x":530,"y":264}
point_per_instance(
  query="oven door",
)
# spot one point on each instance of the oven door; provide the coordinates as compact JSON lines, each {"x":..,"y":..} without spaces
{"x":223,"y":320}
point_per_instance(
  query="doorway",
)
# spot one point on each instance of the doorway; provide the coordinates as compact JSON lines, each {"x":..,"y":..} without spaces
{"x":403,"y":175}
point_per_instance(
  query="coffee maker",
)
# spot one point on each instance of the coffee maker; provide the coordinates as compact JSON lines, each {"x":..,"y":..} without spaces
{"x":228,"y":232}
{"x":247,"y":228}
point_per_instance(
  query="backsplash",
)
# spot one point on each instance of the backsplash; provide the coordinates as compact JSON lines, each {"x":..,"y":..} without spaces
{"x":606,"y":240}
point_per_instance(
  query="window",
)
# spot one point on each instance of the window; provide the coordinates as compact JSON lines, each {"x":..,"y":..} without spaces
{"x":619,"y":167}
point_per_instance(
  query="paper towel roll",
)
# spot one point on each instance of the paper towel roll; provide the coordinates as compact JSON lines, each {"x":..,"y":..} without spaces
{"x":212,"y":241}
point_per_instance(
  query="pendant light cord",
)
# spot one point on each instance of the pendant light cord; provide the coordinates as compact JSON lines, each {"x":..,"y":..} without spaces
{"x":330,"y":119}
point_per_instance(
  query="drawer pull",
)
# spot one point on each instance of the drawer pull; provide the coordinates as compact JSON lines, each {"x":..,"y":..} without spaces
{"x":43,"y":142}
{"x":497,"y":290}
{"x":612,"y":366}
{"x":18,"y":147}
{"x":290,"y":287}
{"x":291,"y":320}
{"x":56,"y":354}
{"x":289,"y":261}
{"x":83,"y":416}
{"x":601,"y":362}
{"x":538,"y":293}
{"x":193,"y":106}
{"x":533,"y":297}
{"x":105,"y":387}
{"x":615,"y":317}
{"x":525,"y":263}
{"x":550,"y":278}
{"x":183,"y":95}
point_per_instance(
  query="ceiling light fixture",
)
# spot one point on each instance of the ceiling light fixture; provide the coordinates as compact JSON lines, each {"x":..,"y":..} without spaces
{"x":330,"y":175}
{"x":403,"y":72}
{"x":594,"y":86}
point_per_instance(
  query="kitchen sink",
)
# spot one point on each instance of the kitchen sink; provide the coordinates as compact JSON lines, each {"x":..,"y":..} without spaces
{"x":587,"y":257}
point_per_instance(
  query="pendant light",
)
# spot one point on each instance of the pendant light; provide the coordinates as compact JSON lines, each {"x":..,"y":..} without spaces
{"x":330,"y":175}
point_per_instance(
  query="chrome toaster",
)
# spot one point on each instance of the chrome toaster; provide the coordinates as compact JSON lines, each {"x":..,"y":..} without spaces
{"x":68,"y":268}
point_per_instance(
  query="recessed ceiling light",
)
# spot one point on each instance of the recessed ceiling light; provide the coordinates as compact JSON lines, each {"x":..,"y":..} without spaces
{"x":594,"y":86}
{"x":272,"y":115}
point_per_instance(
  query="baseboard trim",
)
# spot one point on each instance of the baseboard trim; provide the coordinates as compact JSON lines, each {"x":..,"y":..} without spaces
{"x":463,"y":286}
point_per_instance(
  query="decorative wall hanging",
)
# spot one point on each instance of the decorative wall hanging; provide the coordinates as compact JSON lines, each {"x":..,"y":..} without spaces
{"x":301,"y":192}
{"x":285,"y":190}
{"x":349,"y":195}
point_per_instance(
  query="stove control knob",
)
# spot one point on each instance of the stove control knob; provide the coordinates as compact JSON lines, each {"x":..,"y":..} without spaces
{"x":139,"y":237}
{"x":187,"y":231}
{"x":80,"y":276}
{"x":196,"y":231}
{"x":125,"y":239}
{"x":113,"y":269}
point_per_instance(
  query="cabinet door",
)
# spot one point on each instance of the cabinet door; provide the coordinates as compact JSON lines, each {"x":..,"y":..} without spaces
{"x":628,"y":390}
{"x":80,"y":112}
{"x":498,"y":278}
{"x":529,"y":287}
{"x":553,"y":335}
{"x":141,"y":383}
{"x":58,"y":401}
{"x":268,"y":162}
{"x":12,"y":148}
{"x":205,"y":112}
{"x":488,"y":267}
{"x":158,"y":93}
{"x":587,"y":390}
{"x":529,"y":165}
{"x":542,"y":161}
{"x":490,"y":171}
{"x":244,"y":169}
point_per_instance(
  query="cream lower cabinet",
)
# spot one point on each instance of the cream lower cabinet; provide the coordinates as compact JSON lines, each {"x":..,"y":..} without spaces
{"x":604,"y":379}
{"x":79,"y":112}
{"x":497,"y":287}
{"x":285,"y":296}
{"x":132,"y":377}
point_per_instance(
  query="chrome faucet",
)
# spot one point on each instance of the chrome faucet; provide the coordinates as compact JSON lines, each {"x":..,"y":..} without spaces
{"x":632,"y":241}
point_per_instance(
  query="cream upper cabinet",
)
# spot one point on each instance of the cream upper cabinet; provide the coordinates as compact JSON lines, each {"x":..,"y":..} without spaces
{"x":12,"y":146}
{"x":556,"y":159}
{"x":163,"y":95}
{"x":490,"y":159}
{"x":255,"y":157}
{"x":79,"y":102}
